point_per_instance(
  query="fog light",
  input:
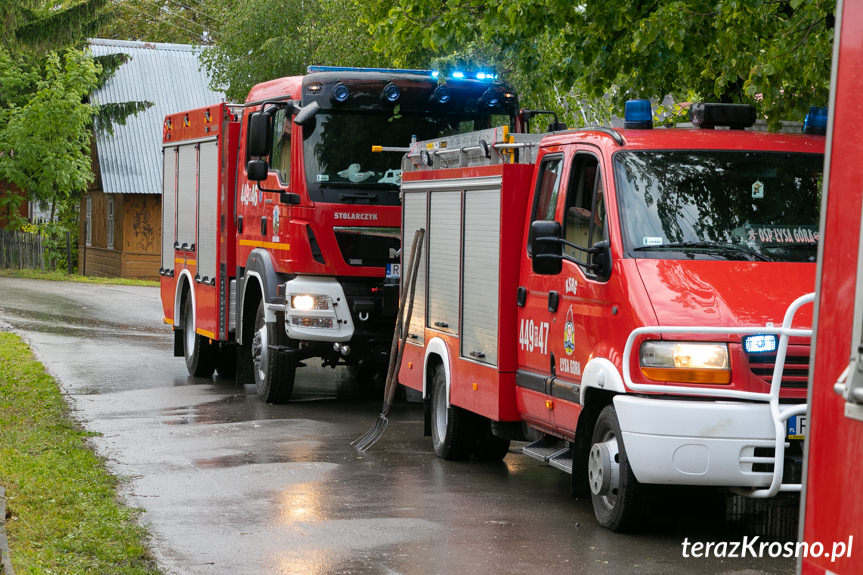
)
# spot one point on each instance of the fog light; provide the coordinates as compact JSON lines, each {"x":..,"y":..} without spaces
{"x":314,"y":322}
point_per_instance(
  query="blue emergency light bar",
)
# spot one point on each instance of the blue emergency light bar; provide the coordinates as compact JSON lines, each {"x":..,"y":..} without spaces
{"x":456,"y":74}
{"x":759,"y":343}
{"x":313,"y":69}
{"x":637,"y":115}
{"x":816,"y":121}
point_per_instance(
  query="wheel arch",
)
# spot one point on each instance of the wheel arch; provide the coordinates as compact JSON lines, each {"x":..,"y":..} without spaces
{"x":259,"y":283}
{"x":251,"y":295}
{"x":184,"y":283}
{"x":602,"y":375}
{"x":436,"y":352}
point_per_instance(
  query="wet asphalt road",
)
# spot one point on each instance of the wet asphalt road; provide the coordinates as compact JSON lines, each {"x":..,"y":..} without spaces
{"x":228,"y":484}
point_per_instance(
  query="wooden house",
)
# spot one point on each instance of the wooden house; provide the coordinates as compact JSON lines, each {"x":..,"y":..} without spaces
{"x":120,"y":225}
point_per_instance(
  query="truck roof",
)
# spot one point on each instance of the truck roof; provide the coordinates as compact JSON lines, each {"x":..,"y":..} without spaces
{"x":275,"y":89}
{"x":692,"y":138}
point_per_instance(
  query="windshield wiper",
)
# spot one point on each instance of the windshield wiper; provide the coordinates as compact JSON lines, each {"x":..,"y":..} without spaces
{"x":362,"y":185}
{"x":709,"y":246}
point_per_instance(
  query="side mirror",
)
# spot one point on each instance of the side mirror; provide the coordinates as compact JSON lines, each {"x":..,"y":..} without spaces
{"x":256,"y":170}
{"x":306,"y":113}
{"x":547,"y":247}
{"x":602,"y":260}
{"x":260,"y":134}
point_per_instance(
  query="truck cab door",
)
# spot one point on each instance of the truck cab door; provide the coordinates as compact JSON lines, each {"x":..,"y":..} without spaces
{"x":582,"y":324}
{"x":535,"y":301}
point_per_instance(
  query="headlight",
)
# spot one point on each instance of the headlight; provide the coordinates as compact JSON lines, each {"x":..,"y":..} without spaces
{"x":685,"y":362}
{"x":310,"y":302}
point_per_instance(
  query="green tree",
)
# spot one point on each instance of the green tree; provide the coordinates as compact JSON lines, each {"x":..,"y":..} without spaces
{"x":44,"y":119}
{"x":264,"y":39}
{"x":773,"y":53}
{"x":172,"y":21}
{"x":39,"y":26}
{"x":45,"y":142}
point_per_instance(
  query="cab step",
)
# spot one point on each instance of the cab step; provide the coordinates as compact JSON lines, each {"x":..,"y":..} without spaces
{"x":551,"y":450}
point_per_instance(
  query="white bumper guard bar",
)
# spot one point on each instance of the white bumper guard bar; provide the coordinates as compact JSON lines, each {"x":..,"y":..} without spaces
{"x":780,"y":415}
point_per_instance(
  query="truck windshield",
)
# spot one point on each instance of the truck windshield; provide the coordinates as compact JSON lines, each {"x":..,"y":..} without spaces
{"x":715,"y":204}
{"x":340,"y":164}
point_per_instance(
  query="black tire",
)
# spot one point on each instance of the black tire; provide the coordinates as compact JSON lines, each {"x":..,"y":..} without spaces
{"x":619,"y":501}
{"x":274,"y":373}
{"x":199,"y":353}
{"x":488,"y":446}
{"x":453,"y":429}
{"x":226,"y":362}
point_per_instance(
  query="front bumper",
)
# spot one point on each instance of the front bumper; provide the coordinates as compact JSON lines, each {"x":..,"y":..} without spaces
{"x":361,"y":308}
{"x":710,"y":443}
{"x":339,"y":315}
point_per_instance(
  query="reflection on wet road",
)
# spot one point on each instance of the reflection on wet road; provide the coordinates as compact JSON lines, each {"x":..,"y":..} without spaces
{"x":229,"y":484}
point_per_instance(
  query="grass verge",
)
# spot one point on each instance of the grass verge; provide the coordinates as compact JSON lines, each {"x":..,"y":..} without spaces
{"x":62,"y":276}
{"x":64,"y":516}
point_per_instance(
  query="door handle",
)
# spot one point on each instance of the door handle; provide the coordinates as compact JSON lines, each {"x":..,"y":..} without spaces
{"x":553,"y":301}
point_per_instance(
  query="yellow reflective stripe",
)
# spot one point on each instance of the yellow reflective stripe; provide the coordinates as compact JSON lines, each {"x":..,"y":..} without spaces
{"x":269,"y":245}
{"x":184,"y":261}
{"x":168,"y":321}
{"x":205,"y":333}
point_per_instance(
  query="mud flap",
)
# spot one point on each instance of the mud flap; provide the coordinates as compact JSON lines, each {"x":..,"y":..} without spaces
{"x":178,"y":342}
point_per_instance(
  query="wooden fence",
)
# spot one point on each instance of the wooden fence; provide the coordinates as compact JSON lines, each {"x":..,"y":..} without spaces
{"x":20,"y":250}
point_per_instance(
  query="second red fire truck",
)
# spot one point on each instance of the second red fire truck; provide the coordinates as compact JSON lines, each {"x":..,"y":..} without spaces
{"x":280,"y":226}
{"x":636,"y":302}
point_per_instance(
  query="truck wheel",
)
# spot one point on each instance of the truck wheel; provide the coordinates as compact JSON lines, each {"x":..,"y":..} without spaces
{"x":619,"y":501}
{"x":274,"y":373}
{"x":453,"y":435}
{"x":199,"y":353}
{"x":488,"y":446}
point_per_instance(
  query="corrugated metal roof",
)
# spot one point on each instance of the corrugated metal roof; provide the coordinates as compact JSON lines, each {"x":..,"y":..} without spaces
{"x":170,"y":76}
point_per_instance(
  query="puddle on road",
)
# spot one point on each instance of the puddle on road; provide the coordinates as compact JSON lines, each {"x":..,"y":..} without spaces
{"x":58,"y":323}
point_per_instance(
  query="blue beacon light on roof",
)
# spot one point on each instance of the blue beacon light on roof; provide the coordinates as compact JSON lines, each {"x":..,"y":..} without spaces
{"x":816,"y":121}
{"x":638,"y":115}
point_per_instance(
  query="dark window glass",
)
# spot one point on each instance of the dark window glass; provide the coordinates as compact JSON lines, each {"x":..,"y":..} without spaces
{"x":280,"y":158}
{"x":720,"y":204}
{"x":547,"y":188}
{"x":584,"y":218}
{"x":340,"y":164}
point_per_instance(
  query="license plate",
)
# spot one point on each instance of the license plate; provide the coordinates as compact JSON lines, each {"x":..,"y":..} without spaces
{"x":796,"y":427}
{"x":394,"y":271}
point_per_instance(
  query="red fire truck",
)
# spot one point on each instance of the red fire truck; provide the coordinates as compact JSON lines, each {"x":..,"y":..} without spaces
{"x":832,"y":506}
{"x":635,"y":302}
{"x":280,"y":227}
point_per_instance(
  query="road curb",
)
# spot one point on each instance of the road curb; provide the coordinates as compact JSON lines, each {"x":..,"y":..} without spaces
{"x":5,"y":558}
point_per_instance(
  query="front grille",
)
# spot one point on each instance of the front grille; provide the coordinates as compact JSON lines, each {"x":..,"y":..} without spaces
{"x":363,"y":247}
{"x":796,"y":372}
